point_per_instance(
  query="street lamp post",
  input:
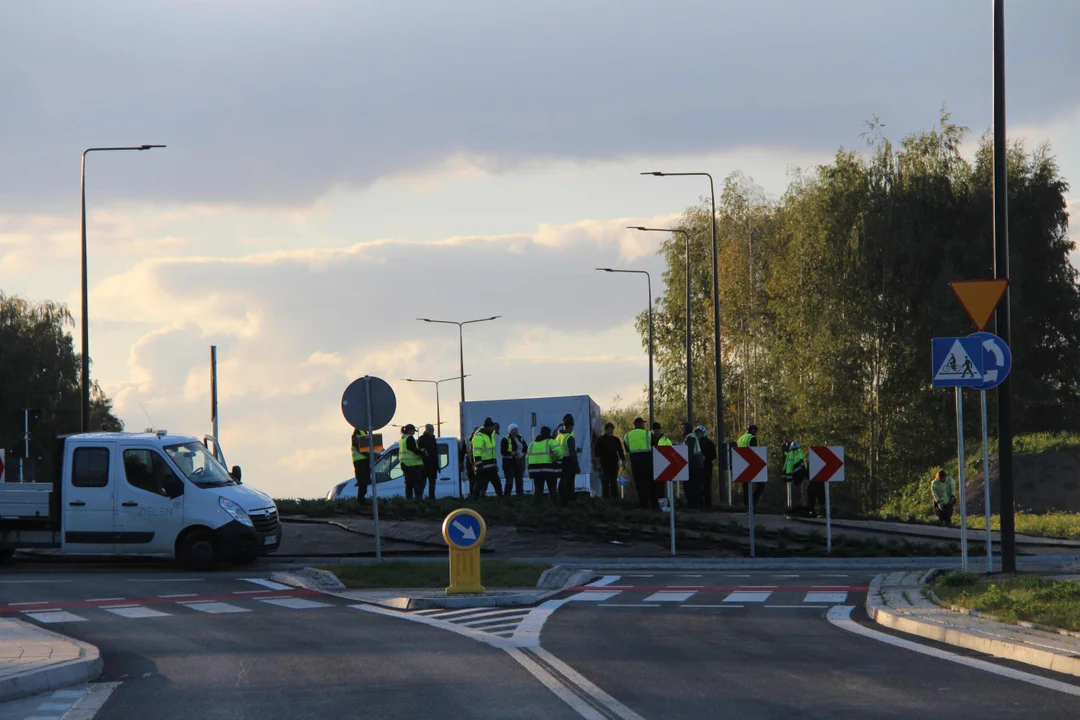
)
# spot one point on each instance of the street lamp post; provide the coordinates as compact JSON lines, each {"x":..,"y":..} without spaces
{"x":85,"y":373}
{"x":461,"y":343}
{"x":438,"y":406}
{"x":716,"y":299}
{"x":689,"y":361}
{"x":648,"y":279}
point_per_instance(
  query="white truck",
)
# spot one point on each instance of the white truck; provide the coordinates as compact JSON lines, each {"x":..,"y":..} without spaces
{"x":529,"y":414}
{"x":150,"y":494}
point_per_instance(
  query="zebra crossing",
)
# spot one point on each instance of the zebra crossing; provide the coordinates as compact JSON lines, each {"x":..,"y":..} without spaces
{"x":605,"y":593}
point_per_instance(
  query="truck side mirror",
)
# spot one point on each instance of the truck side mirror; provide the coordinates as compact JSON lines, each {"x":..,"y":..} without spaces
{"x":236,"y":474}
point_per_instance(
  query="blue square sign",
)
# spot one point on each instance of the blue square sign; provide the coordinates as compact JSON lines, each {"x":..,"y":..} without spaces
{"x":957,"y":362}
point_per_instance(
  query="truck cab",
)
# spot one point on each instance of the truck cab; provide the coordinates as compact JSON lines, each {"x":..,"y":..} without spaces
{"x":151,"y":494}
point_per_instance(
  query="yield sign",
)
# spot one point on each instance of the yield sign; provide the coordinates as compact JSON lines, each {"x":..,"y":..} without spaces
{"x":670,"y":463}
{"x":979,"y":298}
{"x":749,"y":464}
{"x":826,"y":464}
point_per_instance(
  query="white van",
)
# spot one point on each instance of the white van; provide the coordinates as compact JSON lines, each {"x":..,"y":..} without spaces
{"x":151,"y":494}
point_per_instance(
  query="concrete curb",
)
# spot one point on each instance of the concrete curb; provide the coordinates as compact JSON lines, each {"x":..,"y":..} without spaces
{"x":86,"y":668}
{"x":941,"y":631}
{"x":309,"y":578}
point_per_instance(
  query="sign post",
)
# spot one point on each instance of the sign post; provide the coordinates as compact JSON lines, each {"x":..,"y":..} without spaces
{"x":464,"y":532}
{"x":827,"y":466}
{"x":671,"y":464}
{"x":997,"y":362}
{"x":749,"y":465}
{"x":369,"y":404}
{"x":959,"y":363}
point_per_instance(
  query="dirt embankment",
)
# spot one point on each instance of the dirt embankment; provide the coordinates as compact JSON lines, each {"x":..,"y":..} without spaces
{"x":1043,"y":482}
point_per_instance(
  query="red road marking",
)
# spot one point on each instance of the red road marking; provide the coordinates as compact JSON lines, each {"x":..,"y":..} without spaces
{"x":15,"y":607}
{"x":722,"y":588}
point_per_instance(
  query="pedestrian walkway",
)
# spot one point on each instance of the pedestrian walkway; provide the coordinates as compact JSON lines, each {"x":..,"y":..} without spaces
{"x":724,"y":597}
{"x":898,"y":601}
{"x":34,"y":660}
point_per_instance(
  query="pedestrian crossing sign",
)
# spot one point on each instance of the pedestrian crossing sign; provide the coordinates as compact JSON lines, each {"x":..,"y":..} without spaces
{"x":957,"y":362}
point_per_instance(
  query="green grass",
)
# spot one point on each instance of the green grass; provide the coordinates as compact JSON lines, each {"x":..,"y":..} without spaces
{"x":1051,"y":524}
{"x":400,"y":574}
{"x":1055,"y":603}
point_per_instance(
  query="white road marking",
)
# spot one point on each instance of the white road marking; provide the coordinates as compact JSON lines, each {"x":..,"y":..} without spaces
{"x":293,"y":603}
{"x":528,"y":630}
{"x":785,"y":576}
{"x":664,"y":596}
{"x":745,"y":597}
{"x":605,"y":580}
{"x":687,"y":575}
{"x":593,"y":596}
{"x":166,"y":579}
{"x":840,"y":616}
{"x":87,"y":707}
{"x":730,"y":575}
{"x":622,"y":711}
{"x":267,"y":583}
{"x":136,"y":611}
{"x":835,"y":598}
{"x":625,"y":605}
{"x":841,"y":575}
{"x":250,"y":592}
{"x":711,"y":606}
{"x":104,"y":599}
{"x":54,"y":706}
{"x":54,"y":616}
{"x":638,"y":576}
{"x":797,"y":607}
{"x":178,"y":595}
{"x":69,"y":694}
{"x":215,"y":608}
{"x":35,"y":602}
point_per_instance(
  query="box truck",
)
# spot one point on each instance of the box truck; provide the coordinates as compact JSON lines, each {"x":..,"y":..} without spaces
{"x":151,"y":494}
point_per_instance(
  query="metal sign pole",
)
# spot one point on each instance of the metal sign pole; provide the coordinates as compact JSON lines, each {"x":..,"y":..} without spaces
{"x":729,"y":477}
{"x":26,"y":443}
{"x":371,"y":470}
{"x":960,"y":477}
{"x":986,"y":487}
{"x":671,"y":508}
{"x":828,"y":521}
{"x":750,"y":500}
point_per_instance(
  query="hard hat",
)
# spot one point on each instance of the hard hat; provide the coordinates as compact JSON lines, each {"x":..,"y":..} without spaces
{"x":795,"y":445}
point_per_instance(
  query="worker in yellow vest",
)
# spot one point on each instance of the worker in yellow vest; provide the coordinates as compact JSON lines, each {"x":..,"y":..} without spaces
{"x":569,"y":468}
{"x":543,"y":459}
{"x":361,"y":463}
{"x":412,"y":463}
{"x":638,"y":443}
{"x":749,"y":439}
{"x":484,"y":460}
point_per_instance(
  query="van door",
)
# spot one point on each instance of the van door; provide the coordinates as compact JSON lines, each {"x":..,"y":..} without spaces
{"x":151,"y":503}
{"x":89,"y":502}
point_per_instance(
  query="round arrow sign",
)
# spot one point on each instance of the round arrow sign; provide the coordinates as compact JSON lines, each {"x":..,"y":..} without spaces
{"x":997,"y":360}
{"x":464,"y":529}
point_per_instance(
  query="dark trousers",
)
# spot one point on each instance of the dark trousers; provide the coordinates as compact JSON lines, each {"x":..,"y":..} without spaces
{"x":567,"y":476}
{"x":815,"y":494}
{"x":641,"y":468}
{"x":695,"y":489}
{"x":944,"y":512}
{"x":758,"y":489}
{"x":487,"y":475}
{"x":707,"y":486}
{"x":609,"y":481}
{"x":414,"y":481}
{"x":515,"y":478}
{"x":431,"y":478}
{"x":542,"y":479}
{"x":362,"y":469}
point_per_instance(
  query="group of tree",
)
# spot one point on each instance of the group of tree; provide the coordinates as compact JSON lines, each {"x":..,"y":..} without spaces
{"x":39,"y":369}
{"x":831,"y":294}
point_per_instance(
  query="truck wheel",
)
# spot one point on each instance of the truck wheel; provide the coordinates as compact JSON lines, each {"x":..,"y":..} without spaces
{"x":200,"y":551}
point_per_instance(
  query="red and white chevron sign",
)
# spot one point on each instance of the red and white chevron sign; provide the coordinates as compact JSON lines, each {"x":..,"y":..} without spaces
{"x":826,"y":464}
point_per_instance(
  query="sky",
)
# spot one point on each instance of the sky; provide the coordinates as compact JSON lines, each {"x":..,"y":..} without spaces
{"x":335,"y":170}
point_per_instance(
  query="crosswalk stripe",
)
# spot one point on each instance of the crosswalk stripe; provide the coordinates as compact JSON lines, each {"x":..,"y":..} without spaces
{"x":665,"y":596}
{"x":594,"y":595}
{"x":455,"y":614}
{"x":215,"y":608}
{"x":745,"y":597}
{"x":54,"y":616}
{"x":826,"y":597}
{"x":267,"y":583}
{"x":489,"y":622}
{"x":293,"y":603}
{"x":135,"y":611}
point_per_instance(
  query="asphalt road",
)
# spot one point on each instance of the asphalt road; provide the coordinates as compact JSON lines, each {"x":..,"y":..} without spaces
{"x":655,"y":645}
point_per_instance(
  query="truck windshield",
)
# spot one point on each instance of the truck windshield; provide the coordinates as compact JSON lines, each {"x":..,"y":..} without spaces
{"x":198,"y":465}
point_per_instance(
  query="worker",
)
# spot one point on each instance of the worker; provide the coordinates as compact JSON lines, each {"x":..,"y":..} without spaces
{"x":467,"y":460}
{"x":943,"y":488}
{"x":543,"y":461}
{"x":512,"y":449}
{"x":749,"y":439}
{"x":638,"y":443}
{"x":429,"y":450}
{"x":696,"y":463}
{"x":496,"y":438}
{"x":361,"y":462}
{"x":795,"y":473}
{"x":412,"y":463}
{"x":709,"y":455}
{"x":569,"y":466}
{"x":608,"y":449}
{"x":486,"y":466}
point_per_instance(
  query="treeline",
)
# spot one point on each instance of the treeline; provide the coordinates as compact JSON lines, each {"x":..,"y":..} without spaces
{"x":39,"y":369}
{"x":831,"y":294}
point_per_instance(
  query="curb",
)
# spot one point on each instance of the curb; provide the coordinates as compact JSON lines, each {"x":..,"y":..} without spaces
{"x":1039,"y":541}
{"x":1005,"y":649}
{"x":87,"y":668}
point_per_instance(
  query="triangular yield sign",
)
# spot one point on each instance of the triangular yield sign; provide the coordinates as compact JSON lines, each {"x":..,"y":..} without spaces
{"x":957,"y":364}
{"x":979,"y":298}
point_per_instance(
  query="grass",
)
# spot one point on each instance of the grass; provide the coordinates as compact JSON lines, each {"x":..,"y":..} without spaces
{"x":400,"y":574}
{"x":1053,"y":603}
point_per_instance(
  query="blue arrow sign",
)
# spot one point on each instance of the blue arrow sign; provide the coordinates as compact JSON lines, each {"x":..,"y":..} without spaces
{"x":997,"y":360}
{"x":464,"y":530}
{"x":957,"y":362}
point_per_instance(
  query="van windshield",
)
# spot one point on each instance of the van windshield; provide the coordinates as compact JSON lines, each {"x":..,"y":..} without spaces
{"x":199,"y":466}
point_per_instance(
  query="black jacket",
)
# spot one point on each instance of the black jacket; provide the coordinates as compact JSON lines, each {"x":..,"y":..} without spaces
{"x":609,"y":451}
{"x":429,"y":449}
{"x":506,"y":448}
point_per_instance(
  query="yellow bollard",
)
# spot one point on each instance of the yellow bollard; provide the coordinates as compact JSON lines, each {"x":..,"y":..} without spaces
{"x":464,"y":531}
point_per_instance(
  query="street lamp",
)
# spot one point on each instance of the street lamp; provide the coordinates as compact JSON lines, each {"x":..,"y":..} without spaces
{"x":716,"y":300}
{"x":438,"y":407}
{"x":85,"y":375}
{"x":689,"y":372}
{"x":461,"y":343}
{"x":648,"y":278}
